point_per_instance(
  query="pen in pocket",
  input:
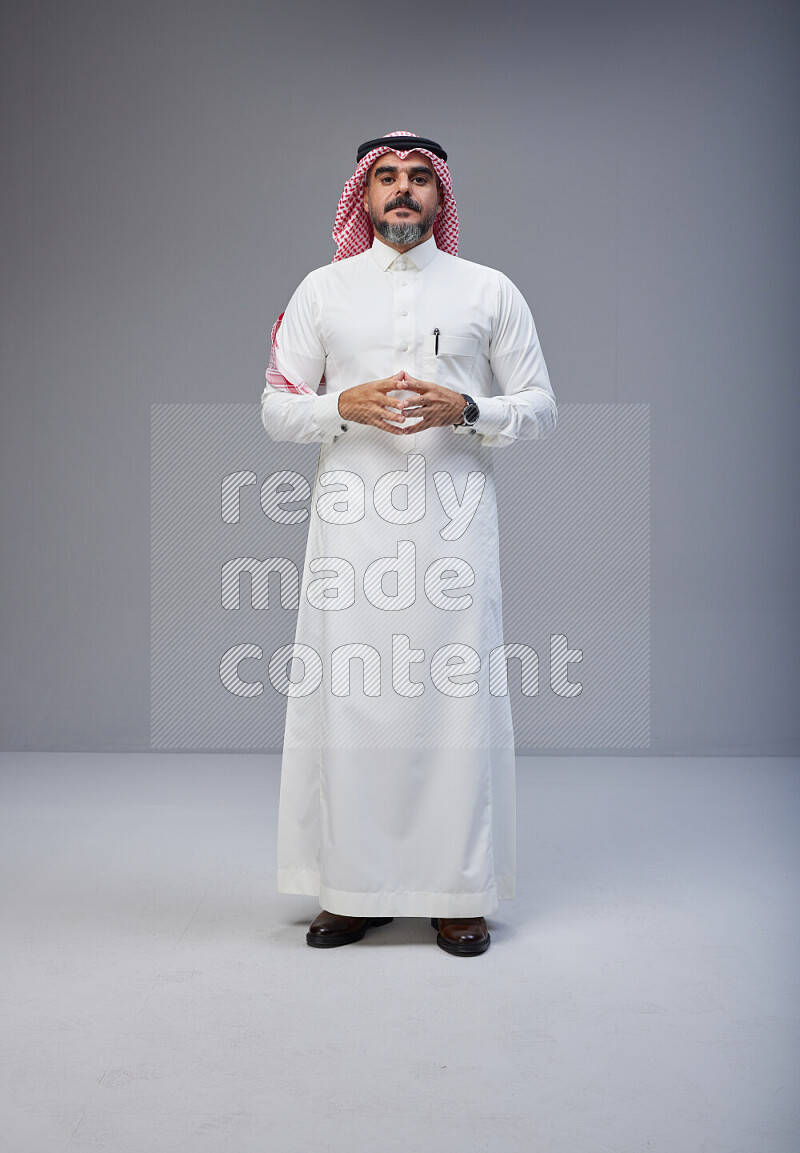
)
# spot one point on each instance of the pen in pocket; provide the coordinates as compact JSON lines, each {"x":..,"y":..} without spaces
{"x":436,"y":344}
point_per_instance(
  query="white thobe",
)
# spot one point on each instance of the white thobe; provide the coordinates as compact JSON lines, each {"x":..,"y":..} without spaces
{"x":397,"y":793}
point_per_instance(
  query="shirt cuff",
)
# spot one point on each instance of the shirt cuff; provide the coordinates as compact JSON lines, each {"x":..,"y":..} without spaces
{"x":326,"y":414}
{"x":491,"y":419}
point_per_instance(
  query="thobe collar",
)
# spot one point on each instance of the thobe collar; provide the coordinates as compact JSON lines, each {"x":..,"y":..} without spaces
{"x":418,"y":257}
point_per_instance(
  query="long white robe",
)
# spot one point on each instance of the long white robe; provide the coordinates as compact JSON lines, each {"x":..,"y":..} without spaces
{"x":397,"y":782}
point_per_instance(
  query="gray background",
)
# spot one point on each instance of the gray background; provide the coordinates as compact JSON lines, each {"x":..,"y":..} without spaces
{"x":171,"y":172}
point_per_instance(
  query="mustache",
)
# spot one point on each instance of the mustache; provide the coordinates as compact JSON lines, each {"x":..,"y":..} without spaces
{"x":403,"y":202}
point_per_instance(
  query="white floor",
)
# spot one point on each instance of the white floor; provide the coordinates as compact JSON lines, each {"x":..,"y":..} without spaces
{"x":640,"y":994}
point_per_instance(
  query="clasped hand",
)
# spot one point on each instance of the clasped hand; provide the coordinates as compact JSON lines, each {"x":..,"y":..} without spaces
{"x":370,"y":404}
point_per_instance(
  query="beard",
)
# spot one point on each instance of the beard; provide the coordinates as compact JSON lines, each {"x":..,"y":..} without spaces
{"x":405,"y":232}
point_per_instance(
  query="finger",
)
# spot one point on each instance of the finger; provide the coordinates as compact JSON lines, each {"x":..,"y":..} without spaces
{"x":419,"y":425}
{"x":420,"y":385}
{"x":378,"y":419}
{"x":390,"y":415}
{"x":387,"y":404}
{"x":389,"y":426}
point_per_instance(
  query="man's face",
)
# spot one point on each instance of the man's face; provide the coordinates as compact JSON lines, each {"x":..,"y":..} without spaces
{"x":402,"y":198}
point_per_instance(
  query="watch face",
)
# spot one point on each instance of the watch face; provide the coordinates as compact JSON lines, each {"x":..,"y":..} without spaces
{"x":471,"y":413}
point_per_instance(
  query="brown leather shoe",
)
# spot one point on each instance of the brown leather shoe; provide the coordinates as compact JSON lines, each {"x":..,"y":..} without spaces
{"x":328,"y":930}
{"x":462,"y":936}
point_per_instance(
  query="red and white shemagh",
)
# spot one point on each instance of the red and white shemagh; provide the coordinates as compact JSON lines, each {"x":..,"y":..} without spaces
{"x":353,"y":233}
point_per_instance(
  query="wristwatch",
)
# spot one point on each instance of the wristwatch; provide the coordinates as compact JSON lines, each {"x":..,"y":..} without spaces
{"x":471,"y":410}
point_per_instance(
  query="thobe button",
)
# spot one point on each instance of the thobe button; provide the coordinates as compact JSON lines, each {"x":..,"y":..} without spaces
{"x":472,"y":432}
{"x":404,"y":283}
{"x":404,"y":348}
{"x":404,"y":312}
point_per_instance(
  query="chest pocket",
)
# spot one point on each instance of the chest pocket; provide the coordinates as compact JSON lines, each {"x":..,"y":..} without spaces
{"x":453,"y":364}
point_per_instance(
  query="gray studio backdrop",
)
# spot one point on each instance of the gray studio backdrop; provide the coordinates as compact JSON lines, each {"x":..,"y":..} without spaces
{"x":170,"y":173}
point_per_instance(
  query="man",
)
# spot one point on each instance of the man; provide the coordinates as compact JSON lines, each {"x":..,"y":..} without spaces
{"x":397,"y":783}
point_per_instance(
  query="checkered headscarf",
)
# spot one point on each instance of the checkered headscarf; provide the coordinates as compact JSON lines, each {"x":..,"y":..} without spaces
{"x":353,"y":231}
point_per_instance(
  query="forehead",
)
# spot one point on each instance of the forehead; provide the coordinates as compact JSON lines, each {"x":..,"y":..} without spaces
{"x":390,"y":160}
